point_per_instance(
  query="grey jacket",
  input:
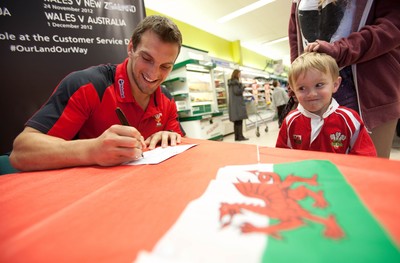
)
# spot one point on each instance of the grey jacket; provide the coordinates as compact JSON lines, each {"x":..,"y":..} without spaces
{"x":237,"y":106}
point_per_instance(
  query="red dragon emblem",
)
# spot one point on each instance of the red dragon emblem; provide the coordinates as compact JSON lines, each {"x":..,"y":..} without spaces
{"x":281,"y":203}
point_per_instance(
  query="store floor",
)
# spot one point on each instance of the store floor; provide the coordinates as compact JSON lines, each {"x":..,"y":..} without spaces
{"x":269,"y":138}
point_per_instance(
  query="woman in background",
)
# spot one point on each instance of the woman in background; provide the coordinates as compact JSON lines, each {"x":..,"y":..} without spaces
{"x":237,"y":106}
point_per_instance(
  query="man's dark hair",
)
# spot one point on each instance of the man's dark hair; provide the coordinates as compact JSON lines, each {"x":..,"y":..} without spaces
{"x":165,"y":29}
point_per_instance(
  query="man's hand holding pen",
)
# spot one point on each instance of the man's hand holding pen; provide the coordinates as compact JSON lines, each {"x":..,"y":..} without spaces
{"x":132,"y":140}
{"x":139,"y":144}
{"x":118,"y":144}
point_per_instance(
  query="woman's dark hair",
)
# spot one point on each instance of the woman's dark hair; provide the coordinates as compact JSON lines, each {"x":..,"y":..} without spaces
{"x":235,"y":74}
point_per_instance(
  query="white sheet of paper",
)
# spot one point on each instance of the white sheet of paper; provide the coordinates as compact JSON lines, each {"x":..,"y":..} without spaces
{"x":160,"y":154}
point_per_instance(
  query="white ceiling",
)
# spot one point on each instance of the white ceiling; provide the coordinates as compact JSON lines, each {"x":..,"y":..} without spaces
{"x":254,"y":29}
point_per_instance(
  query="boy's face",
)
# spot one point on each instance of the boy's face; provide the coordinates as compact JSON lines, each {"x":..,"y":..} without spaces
{"x":314,"y":90}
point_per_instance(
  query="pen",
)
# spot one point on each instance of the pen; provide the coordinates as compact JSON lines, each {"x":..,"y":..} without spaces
{"x":122,"y":118}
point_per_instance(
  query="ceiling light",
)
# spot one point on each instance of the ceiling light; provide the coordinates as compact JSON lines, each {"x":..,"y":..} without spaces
{"x":244,"y":10}
{"x":275,"y":41}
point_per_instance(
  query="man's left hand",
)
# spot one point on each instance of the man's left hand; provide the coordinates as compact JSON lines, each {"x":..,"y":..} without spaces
{"x":165,"y":137}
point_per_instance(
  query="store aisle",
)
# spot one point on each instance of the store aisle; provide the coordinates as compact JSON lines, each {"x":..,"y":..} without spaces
{"x":269,"y":138}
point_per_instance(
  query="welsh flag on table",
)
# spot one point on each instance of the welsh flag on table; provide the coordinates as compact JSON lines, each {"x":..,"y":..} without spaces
{"x":292,"y":212}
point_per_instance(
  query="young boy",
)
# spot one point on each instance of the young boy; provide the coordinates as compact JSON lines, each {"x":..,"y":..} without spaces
{"x":319,"y":123}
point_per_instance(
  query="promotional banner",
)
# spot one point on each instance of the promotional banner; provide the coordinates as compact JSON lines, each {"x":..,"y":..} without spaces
{"x":41,"y":41}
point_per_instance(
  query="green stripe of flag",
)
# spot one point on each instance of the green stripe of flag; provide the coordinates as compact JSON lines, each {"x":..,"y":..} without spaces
{"x":364,"y":241}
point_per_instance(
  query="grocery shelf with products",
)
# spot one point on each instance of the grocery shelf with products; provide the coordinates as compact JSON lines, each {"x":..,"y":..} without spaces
{"x":221,"y":89}
{"x":221,"y":74}
{"x":192,"y":86}
{"x":257,"y":96}
{"x":199,"y":86}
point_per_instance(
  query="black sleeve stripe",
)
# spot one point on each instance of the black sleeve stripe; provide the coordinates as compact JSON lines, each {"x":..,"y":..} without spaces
{"x":100,"y":77}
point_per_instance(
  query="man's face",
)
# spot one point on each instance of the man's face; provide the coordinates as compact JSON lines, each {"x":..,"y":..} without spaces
{"x":151,"y":62}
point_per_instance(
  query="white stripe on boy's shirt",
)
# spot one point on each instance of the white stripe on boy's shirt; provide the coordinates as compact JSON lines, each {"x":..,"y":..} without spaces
{"x":197,"y":235}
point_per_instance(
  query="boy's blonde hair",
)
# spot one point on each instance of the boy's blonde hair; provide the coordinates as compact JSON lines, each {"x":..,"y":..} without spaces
{"x":312,"y":60}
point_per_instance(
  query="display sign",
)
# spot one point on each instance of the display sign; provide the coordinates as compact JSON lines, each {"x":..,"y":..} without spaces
{"x":41,"y":41}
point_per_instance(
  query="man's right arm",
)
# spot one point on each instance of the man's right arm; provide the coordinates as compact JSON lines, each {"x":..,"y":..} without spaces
{"x":33,"y":150}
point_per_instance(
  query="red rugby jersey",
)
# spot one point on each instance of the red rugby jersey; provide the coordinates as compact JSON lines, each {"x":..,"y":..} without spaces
{"x":83,"y":106}
{"x":340,"y":130}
